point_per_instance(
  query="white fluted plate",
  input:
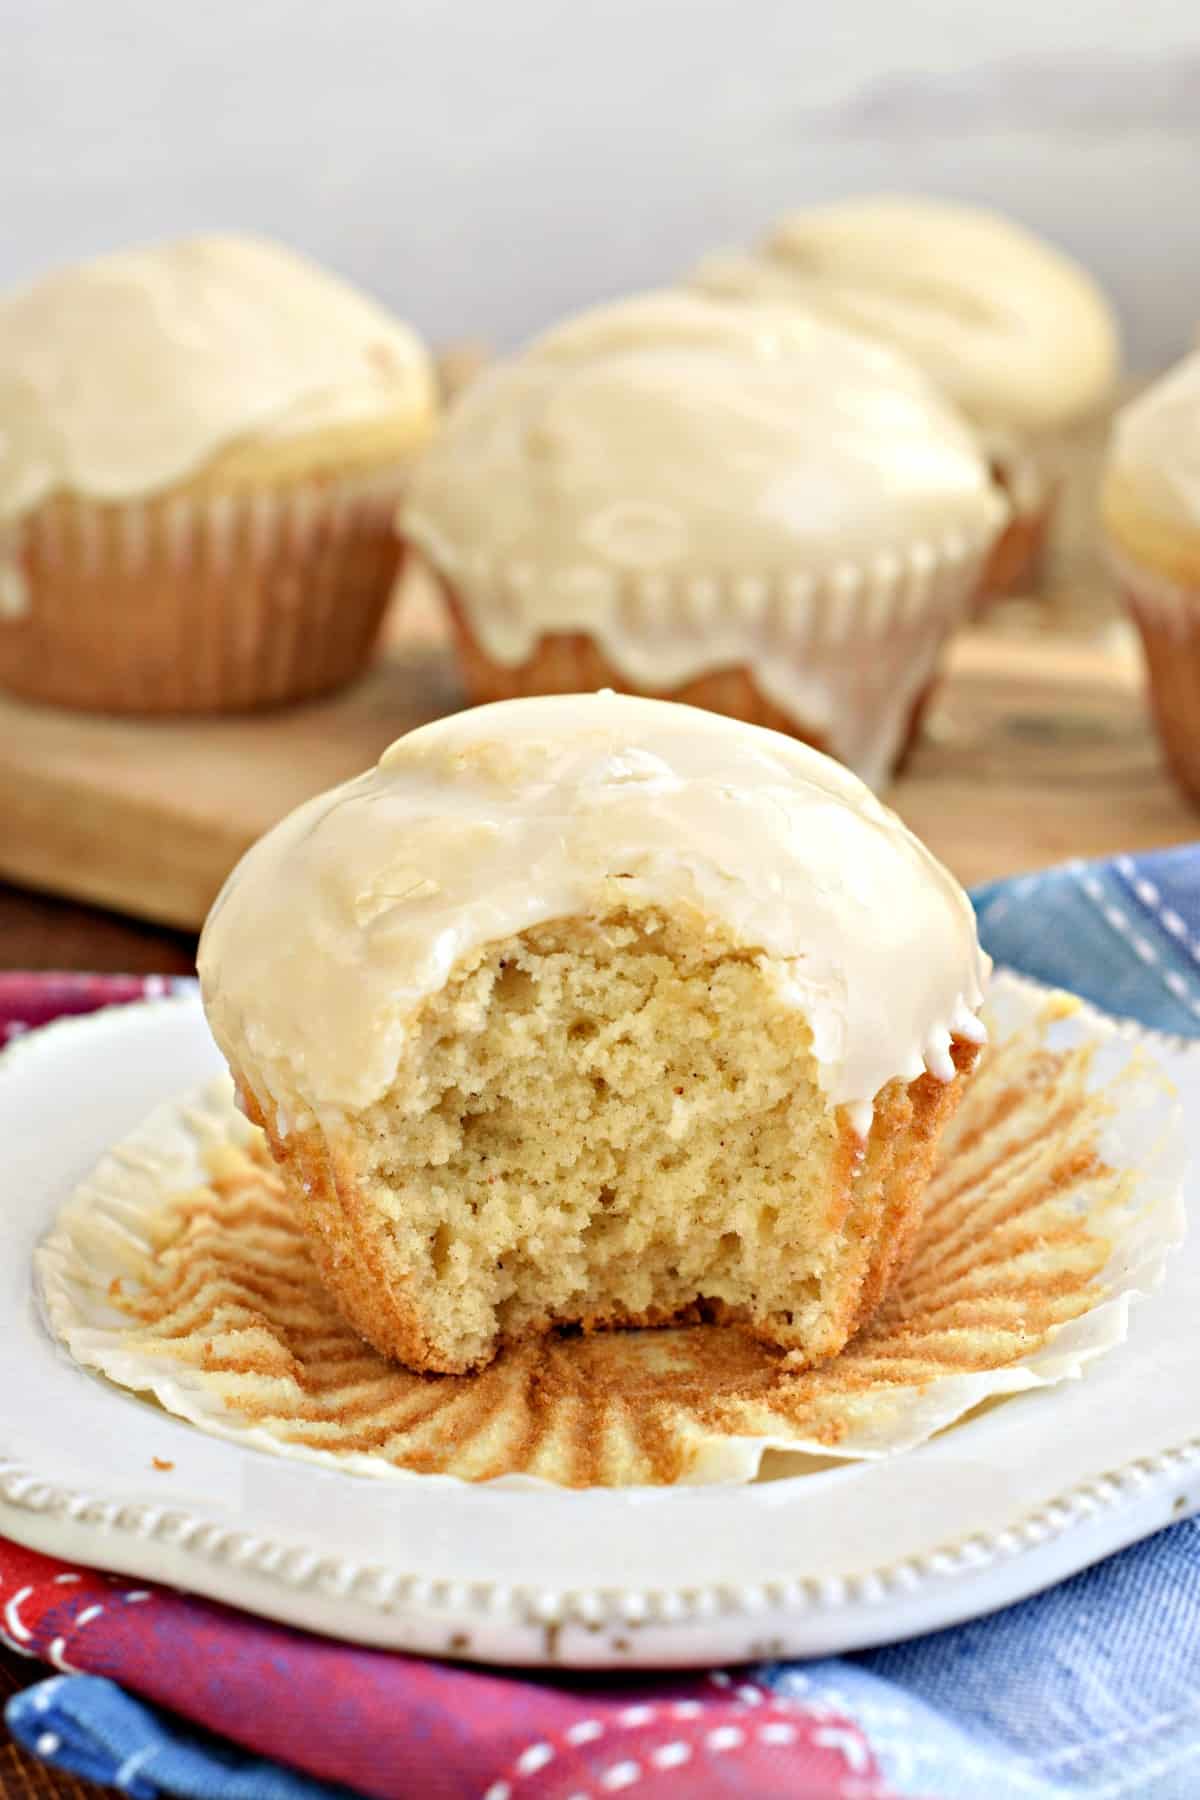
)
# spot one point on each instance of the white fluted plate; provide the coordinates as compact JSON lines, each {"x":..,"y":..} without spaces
{"x":1016,"y":1497}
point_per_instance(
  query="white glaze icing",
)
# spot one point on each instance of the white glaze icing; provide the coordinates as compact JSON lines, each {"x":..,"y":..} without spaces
{"x":336,"y":925}
{"x":1027,"y":469}
{"x":1154,"y":451}
{"x":123,"y":376}
{"x":1012,"y":329}
{"x":667,"y":473}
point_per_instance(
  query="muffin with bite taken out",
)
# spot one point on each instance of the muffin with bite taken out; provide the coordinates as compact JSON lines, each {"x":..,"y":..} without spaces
{"x":591,"y":1011}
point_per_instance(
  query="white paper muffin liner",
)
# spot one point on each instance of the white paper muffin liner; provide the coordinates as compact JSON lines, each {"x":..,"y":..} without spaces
{"x":846,"y":655}
{"x":1056,"y":1203}
{"x":198,"y":602}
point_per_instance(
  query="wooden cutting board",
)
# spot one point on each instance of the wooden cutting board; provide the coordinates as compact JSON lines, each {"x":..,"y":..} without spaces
{"x":1038,"y":748}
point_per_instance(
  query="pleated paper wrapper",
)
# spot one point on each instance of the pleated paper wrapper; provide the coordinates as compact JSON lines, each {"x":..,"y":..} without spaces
{"x":177,"y":1271}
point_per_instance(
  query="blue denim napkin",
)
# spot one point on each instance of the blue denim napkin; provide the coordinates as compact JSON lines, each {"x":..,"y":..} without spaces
{"x":95,"y":1729}
{"x":1090,"y":1689}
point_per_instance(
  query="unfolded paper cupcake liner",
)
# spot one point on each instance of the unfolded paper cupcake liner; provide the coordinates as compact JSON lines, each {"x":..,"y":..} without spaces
{"x":178,"y":1271}
{"x":843,"y":657}
{"x":198,"y":603}
{"x":1167,"y":615}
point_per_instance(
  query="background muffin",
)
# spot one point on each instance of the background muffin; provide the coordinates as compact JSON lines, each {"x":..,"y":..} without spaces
{"x":1151,"y":511}
{"x":1018,"y":335}
{"x":589,"y":1011}
{"x":746,"y":508}
{"x":201,"y":448}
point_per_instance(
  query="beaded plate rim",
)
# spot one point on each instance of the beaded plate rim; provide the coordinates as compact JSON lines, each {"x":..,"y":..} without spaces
{"x":387,"y":1602}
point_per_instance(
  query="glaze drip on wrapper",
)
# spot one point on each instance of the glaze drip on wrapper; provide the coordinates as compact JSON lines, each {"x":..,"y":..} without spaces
{"x":343,"y":919}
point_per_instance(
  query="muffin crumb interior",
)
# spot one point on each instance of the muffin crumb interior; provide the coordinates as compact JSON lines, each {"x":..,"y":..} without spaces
{"x":607,"y":1121}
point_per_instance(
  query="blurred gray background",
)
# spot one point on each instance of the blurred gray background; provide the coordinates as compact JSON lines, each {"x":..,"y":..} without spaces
{"x":486,"y":165}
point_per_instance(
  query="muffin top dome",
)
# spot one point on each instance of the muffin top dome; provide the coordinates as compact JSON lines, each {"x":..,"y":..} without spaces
{"x":124,"y":376}
{"x":337,"y":925}
{"x":671,"y":438}
{"x":1151,"y":489}
{"x":1016,"y":333}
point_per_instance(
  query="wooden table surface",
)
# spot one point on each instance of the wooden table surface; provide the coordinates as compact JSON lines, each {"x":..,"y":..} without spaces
{"x":40,"y":932}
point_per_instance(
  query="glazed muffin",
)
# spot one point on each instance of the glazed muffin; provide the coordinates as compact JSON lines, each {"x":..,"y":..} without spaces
{"x":1014,"y":332}
{"x":744,"y":508}
{"x":597,"y":1011}
{"x":1150,"y":504}
{"x":202,"y":447}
